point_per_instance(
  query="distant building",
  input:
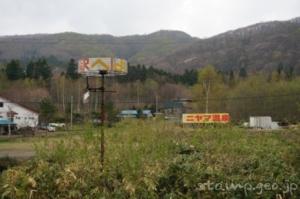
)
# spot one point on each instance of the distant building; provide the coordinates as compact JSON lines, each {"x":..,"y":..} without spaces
{"x":175,"y":108}
{"x":17,"y":114}
{"x":147,"y":113}
{"x":262,"y":122}
{"x":128,"y":114}
{"x":135,"y":114}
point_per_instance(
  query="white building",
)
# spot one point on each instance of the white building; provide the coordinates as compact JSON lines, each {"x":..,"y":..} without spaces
{"x":18,"y":114}
{"x":262,"y":122}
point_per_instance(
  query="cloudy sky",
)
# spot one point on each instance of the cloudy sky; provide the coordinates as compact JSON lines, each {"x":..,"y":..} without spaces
{"x":200,"y":18}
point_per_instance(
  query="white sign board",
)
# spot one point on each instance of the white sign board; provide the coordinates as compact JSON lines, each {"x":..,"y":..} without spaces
{"x":112,"y":66}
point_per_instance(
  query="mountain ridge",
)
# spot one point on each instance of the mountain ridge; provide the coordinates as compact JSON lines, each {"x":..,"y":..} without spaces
{"x":269,"y":43}
{"x":63,"y":46}
{"x":261,"y":46}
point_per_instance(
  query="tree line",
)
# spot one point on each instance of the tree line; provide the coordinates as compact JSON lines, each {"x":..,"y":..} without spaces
{"x":276,"y":94}
{"x":36,"y":69}
{"x":40,"y":69}
{"x":142,"y":73}
{"x":42,"y":88}
{"x":240,"y":93}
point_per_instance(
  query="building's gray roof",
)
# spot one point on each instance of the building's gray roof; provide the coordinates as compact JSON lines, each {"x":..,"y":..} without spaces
{"x":173,"y":105}
{"x":21,"y":105}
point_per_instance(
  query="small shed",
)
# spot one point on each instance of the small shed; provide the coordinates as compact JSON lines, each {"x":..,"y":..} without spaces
{"x":263,"y":122}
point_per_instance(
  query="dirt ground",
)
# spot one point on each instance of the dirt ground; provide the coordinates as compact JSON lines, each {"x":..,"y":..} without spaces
{"x":23,"y":147}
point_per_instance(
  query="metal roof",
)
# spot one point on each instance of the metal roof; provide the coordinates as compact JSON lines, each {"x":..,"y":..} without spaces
{"x":6,"y":122}
{"x":173,"y":105}
{"x":129,"y":112}
{"x":17,"y":103}
{"x":134,"y":112}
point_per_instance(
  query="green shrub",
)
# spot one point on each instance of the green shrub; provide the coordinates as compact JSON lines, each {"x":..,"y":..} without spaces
{"x":156,"y":159}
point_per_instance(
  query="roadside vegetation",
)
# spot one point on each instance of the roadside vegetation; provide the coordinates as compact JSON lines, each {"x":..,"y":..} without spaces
{"x":158,"y":159}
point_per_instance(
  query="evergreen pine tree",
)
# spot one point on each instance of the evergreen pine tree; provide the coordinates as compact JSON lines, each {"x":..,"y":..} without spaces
{"x":14,"y":71}
{"x":72,"y":70}
{"x":243,"y":72}
{"x":30,"y":69}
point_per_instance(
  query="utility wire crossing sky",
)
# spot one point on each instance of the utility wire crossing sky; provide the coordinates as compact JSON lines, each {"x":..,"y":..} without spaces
{"x":199,"y":18}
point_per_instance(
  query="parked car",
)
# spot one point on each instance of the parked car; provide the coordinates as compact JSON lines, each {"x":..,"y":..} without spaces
{"x":61,"y":125}
{"x":47,"y":127}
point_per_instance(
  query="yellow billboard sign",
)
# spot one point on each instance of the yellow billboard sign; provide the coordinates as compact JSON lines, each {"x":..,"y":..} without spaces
{"x":192,"y":118}
{"x":112,"y":66}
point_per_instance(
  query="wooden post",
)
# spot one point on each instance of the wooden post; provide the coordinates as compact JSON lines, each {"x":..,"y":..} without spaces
{"x":71,"y":116}
{"x":102,"y":149}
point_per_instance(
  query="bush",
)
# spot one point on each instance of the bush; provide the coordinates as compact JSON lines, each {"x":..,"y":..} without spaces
{"x":158,"y":160}
{"x":7,"y":162}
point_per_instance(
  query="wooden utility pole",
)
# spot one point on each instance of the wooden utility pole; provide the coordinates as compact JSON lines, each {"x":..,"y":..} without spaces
{"x":138,"y":95}
{"x":9,"y":128}
{"x":9,"y":120}
{"x":71,"y":116}
{"x":102,"y":150}
{"x":79,"y":98}
{"x":206,"y":86}
{"x":63,"y":94}
{"x":156,"y":103}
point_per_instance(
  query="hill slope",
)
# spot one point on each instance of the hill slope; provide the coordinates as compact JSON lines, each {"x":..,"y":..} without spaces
{"x":258,"y":47}
{"x":63,"y":46}
{"x":262,"y":46}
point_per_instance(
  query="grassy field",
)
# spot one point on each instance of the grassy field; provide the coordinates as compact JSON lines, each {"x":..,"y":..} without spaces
{"x":157,"y":159}
{"x":24,"y":147}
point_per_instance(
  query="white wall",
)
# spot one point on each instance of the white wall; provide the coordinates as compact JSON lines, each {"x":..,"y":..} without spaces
{"x":24,"y":117}
{"x":264,"y":122}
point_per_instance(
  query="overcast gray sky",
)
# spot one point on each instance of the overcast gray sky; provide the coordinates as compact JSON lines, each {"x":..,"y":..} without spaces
{"x":200,"y":18}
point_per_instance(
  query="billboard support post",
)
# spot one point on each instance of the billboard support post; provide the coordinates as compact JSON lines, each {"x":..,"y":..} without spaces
{"x":102,"y":118}
{"x":102,"y":90}
{"x":101,"y":67}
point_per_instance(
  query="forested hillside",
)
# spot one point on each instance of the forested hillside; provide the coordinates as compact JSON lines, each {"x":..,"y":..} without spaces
{"x":61,"y":47}
{"x":260,"y":47}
